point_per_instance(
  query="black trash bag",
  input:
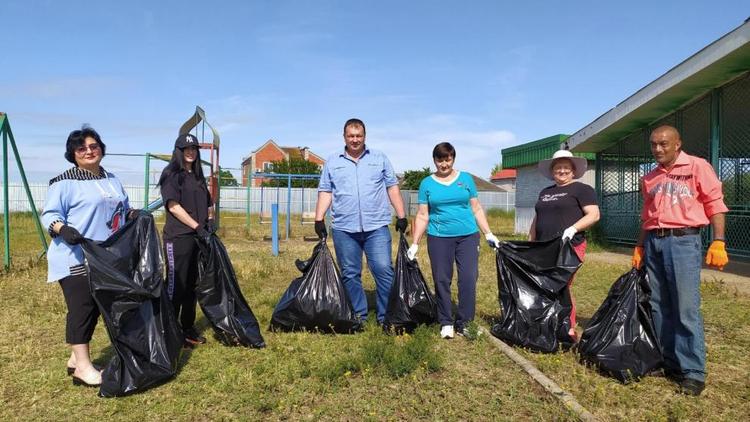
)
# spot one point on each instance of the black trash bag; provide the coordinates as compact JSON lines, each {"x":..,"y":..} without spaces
{"x":532,"y":280}
{"x":221,"y":299}
{"x":410,"y":302}
{"x":316,"y":301}
{"x":620,"y":338}
{"x":126,"y":278}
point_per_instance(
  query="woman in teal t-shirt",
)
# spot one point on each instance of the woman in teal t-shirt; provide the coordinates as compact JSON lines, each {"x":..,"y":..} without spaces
{"x":451,"y":213}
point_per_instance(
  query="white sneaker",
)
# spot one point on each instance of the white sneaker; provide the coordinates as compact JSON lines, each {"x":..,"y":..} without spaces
{"x":446,"y":331}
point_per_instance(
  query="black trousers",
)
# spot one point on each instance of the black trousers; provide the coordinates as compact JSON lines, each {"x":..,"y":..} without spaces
{"x":82,"y":310}
{"x":181,"y":254}
{"x":464,"y":251}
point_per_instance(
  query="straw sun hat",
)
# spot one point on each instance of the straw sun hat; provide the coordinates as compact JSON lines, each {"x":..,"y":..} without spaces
{"x":545,"y":166}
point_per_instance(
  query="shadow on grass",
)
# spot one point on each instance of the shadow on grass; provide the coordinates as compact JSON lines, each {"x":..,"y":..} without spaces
{"x":582,"y":322}
{"x":106,"y":355}
{"x":489,"y":319}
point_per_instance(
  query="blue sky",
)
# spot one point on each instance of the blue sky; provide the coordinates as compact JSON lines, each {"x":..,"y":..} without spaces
{"x":484,"y":75}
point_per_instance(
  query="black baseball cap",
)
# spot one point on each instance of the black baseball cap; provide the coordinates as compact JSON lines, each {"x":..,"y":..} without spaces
{"x":186,"y":140}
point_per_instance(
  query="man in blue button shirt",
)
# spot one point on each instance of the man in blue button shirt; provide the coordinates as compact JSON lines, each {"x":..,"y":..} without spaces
{"x":358,"y":183}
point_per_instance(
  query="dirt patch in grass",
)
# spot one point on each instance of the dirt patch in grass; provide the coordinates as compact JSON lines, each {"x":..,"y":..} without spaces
{"x":734,"y":278}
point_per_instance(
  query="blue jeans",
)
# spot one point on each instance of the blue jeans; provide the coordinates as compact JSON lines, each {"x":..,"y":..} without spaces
{"x":674,"y":270}
{"x":376,"y":245}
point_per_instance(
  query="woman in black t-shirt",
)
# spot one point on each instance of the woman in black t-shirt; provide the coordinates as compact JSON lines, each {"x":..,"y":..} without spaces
{"x":565,"y":209}
{"x":189,"y":215}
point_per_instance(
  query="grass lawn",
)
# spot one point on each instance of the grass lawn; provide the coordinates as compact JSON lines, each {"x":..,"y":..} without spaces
{"x":364,"y":376}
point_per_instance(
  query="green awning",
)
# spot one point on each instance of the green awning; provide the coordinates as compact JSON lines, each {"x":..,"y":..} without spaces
{"x":713,"y":66}
{"x":536,"y":151}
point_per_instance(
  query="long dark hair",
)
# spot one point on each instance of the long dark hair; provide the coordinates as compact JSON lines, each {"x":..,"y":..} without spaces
{"x":176,"y":166}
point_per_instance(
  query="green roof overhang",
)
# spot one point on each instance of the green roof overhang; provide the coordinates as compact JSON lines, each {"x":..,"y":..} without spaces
{"x":535,"y":151}
{"x":711,"y":67}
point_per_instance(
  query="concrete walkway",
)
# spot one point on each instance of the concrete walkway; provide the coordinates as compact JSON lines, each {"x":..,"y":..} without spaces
{"x":734,"y":277}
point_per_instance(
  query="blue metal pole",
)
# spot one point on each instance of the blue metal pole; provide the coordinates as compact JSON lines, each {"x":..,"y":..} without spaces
{"x":288,"y":204}
{"x":275,"y":229}
{"x":249,"y":191}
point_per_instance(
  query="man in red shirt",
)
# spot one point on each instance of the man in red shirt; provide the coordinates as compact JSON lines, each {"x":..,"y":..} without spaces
{"x":680,"y":196}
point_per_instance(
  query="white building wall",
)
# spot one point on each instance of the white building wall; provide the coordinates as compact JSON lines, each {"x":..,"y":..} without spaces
{"x":507,"y":185}
{"x":235,"y":198}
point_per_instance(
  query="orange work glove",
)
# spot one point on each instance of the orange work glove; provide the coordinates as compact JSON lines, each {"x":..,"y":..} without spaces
{"x":717,"y":255}
{"x":637,"y":257}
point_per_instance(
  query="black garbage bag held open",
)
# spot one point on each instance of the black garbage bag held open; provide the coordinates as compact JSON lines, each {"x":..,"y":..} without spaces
{"x":410,"y":302}
{"x":126,"y":278}
{"x":620,"y":338}
{"x":221,"y":299}
{"x":316,"y":301}
{"x":532,"y":280}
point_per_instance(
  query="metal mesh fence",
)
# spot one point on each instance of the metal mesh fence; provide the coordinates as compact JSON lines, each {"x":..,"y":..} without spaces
{"x":622,"y":165}
{"x":734,"y":163}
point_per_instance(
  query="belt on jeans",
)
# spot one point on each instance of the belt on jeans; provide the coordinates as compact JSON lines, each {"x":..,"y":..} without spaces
{"x":682,"y":231}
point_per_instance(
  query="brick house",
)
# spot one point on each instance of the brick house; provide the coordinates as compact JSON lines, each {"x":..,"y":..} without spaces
{"x":505,"y":179}
{"x":260,"y":160}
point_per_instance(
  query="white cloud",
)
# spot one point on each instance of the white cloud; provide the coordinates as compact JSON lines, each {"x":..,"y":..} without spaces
{"x":409,"y":144}
{"x":65,"y":87}
{"x":476,"y":151}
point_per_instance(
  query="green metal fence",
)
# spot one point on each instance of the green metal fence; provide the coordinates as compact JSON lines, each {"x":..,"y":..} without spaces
{"x":715,"y":127}
{"x":734,"y":162}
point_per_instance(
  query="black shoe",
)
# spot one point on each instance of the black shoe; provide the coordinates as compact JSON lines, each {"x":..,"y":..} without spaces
{"x":192,"y":336}
{"x":674,"y":375}
{"x":692,"y":387}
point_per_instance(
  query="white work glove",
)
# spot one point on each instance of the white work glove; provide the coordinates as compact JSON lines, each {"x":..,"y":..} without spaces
{"x":411,"y":253}
{"x":569,"y":233}
{"x":492,"y":240}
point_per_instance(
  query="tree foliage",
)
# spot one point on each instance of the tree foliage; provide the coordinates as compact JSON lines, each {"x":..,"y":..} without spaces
{"x":226,"y":178}
{"x":736,"y":189}
{"x":412,"y":178}
{"x":293,"y":166}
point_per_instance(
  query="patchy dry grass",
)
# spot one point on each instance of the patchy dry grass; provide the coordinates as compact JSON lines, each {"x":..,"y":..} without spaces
{"x":727,"y":395}
{"x":366,"y":376}
{"x":304,"y":376}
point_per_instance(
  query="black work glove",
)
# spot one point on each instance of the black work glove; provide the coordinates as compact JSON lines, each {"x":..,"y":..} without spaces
{"x":320,"y":229}
{"x":70,"y":235}
{"x":211,"y":226}
{"x":401,"y":224}
{"x":202,"y":234}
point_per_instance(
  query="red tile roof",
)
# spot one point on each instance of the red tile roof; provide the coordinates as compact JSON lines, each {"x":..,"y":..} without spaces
{"x":504,"y":174}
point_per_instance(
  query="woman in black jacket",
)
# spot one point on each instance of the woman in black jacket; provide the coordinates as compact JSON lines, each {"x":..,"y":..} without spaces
{"x":189,"y":215}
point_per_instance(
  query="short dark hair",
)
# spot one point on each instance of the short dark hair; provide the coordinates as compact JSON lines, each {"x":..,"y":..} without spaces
{"x":443,"y":150}
{"x":355,"y":122}
{"x":77,"y":138}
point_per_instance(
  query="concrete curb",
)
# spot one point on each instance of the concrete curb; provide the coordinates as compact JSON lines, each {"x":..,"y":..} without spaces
{"x":566,"y":398}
